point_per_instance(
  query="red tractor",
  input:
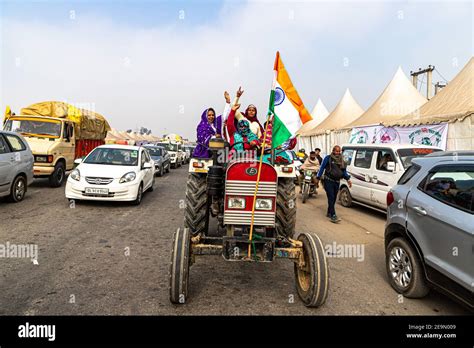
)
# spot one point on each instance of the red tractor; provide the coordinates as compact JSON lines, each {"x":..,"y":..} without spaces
{"x":252,"y":230}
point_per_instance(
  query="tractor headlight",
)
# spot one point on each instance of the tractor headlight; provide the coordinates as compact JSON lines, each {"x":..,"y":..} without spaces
{"x":127,"y":177}
{"x":264,"y":204}
{"x":75,"y":175}
{"x":236,"y":203}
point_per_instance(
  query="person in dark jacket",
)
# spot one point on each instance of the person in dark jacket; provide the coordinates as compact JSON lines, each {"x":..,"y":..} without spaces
{"x":333,"y":169}
{"x":318,"y":155}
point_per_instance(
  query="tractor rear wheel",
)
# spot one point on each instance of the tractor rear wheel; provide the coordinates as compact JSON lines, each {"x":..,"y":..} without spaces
{"x":179,"y":267}
{"x":312,"y":279}
{"x":286,"y":208}
{"x":196,"y":213}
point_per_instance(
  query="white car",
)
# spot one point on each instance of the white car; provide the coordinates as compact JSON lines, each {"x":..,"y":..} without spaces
{"x":112,"y":173}
{"x":375,"y":169}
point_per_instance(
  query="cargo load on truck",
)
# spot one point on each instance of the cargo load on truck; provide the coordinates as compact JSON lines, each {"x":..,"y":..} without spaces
{"x":87,"y":124}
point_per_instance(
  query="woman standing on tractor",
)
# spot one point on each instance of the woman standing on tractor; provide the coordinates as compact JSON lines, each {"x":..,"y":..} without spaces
{"x":250,"y":115}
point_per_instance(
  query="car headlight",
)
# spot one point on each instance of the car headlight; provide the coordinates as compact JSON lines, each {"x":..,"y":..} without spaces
{"x":236,"y":203}
{"x":128,"y":177}
{"x":76,"y":175}
{"x":264,"y":204}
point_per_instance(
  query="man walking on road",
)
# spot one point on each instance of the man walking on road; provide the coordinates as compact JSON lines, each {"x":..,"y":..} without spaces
{"x":333,"y":169}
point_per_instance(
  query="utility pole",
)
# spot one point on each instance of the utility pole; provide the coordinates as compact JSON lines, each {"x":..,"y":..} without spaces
{"x":429,"y":73}
{"x":438,"y":86}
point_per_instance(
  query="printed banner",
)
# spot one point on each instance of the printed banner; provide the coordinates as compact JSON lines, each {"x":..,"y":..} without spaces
{"x":434,"y":135}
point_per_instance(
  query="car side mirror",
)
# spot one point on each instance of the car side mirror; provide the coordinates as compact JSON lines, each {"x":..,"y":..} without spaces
{"x":78,"y":161}
{"x":391,"y":166}
{"x":147,"y":165}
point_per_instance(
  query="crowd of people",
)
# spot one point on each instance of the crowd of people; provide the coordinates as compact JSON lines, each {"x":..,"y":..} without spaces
{"x":244,"y":131}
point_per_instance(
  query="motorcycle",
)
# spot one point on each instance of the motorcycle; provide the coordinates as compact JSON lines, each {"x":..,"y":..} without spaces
{"x":308,"y":187}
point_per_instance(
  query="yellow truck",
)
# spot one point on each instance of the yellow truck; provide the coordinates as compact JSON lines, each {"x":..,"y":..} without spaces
{"x":57,"y":134}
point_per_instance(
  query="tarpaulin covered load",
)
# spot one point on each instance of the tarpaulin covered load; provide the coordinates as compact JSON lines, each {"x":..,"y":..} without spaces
{"x":88,"y":124}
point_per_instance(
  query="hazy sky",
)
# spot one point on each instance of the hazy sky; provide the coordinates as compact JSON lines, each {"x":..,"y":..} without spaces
{"x":159,"y":64}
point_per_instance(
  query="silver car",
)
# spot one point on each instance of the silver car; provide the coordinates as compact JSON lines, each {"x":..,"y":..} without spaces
{"x":16,"y":166}
{"x":429,"y":233}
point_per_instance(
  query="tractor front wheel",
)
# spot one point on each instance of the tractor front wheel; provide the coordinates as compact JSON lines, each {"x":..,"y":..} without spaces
{"x":179,"y":268}
{"x":286,"y":208}
{"x":196,"y":213}
{"x":312,"y":278}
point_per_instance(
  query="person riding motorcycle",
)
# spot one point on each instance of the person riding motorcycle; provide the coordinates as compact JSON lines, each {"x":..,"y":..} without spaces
{"x":311,"y":163}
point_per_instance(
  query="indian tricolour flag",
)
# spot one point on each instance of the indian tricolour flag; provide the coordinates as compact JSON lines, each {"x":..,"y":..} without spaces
{"x":285,"y":103}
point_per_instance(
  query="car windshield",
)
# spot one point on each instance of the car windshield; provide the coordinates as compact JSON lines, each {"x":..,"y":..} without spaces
{"x":406,"y":155}
{"x":111,"y":156}
{"x":34,"y":127}
{"x":154,"y":151}
{"x":169,"y":146}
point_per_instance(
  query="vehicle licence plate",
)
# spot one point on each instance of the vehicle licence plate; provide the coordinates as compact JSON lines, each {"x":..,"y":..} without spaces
{"x":307,"y":178}
{"x":97,"y":191}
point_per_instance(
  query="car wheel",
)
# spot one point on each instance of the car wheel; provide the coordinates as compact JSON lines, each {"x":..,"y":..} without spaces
{"x":405,"y":269}
{"x":168,"y":168}
{"x":160,"y":173}
{"x":138,"y":200}
{"x":18,"y":189}
{"x":57,"y":178}
{"x":345,"y":197}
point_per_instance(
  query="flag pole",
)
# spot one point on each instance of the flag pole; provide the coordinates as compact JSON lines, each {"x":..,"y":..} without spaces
{"x":262,"y":152}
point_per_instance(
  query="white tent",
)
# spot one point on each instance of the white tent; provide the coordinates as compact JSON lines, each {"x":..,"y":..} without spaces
{"x":346,"y":111}
{"x":319,"y":114}
{"x":454,"y":104}
{"x":399,"y":98}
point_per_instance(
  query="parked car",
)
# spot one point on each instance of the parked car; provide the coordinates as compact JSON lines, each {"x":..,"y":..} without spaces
{"x":375,"y":169}
{"x":173,"y":151}
{"x":429,"y":233}
{"x":16,"y":166}
{"x":112,"y":173}
{"x":161,"y":158}
{"x":181,"y":154}
{"x":188,"y":149}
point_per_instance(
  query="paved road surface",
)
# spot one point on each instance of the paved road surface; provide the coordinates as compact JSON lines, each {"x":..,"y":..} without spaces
{"x":109,"y":258}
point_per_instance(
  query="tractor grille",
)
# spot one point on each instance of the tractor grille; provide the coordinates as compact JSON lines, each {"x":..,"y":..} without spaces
{"x":261,"y":218}
{"x":98,"y":181}
{"x":247,"y":188}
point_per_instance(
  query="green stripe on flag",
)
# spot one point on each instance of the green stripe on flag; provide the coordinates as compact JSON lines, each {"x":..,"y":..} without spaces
{"x":271,"y":105}
{"x":280,"y":132}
